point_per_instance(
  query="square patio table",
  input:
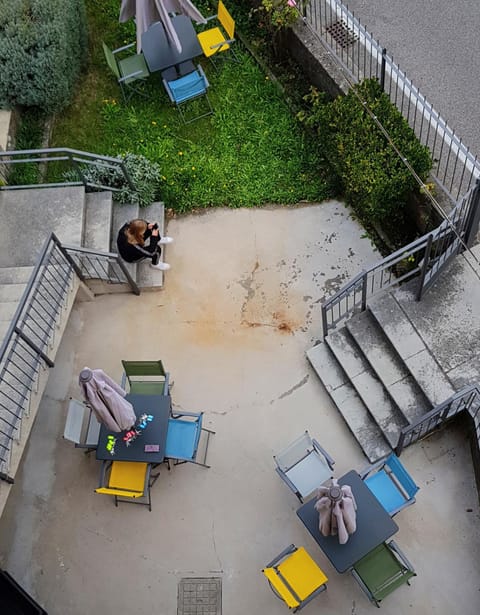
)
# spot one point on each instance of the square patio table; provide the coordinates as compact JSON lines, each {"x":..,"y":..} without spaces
{"x":155,"y":432}
{"x":374,"y":526}
{"x":160,"y":54}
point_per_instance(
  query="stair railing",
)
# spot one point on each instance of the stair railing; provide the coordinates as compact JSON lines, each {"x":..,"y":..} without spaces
{"x":425,"y":257}
{"x":76,"y":161}
{"x":467,"y":399}
{"x":26,"y":347}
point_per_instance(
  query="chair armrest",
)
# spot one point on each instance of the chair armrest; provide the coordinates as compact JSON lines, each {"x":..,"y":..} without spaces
{"x":291,"y":549}
{"x":103,"y":470}
{"x":123,"y":48}
{"x":288,"y":482}
{"x":211,"y":18}
{"x":371,"y":467}
{"x":137,"y":72}
{"x":225,"y":42}
{"x":401,"y":555}
{"x":166,"y":390}
{"x":320,"y":449}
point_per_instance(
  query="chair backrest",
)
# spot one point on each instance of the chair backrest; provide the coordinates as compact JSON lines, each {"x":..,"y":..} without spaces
{"x":226,"y":19}
{"x":382,"y":570}
{"x":111,"y":61}
{"x":183,"y":437}
{"x":401,"y":474}
{"x":74,"y":422}
{"x":185,"y":88}
{"x":143,"y":368}
{"x":294,"y":452}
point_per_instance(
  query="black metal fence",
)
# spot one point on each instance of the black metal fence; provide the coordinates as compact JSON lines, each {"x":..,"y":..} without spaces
{"x":468,"y":399}
{"x":361,"y":56}
{"x":27,"y":345}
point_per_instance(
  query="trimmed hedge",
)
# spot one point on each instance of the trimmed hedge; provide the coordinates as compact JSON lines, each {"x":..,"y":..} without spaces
{"x":369,"y":173}
{"x":43,"y":44}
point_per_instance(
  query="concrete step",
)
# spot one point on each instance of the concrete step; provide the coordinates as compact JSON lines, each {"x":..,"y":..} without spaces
{"x":411,"y":349}
{"x":370,"y":390}
{"x":15,"y":275}
{"x":120,"y":215}
{"x":7,"y":310}
{"x":383,"y":359}
{"x":39,"y":212}
{"x":98,"y":221}
{"x":11,"y":292}
{"x":349,"y":404}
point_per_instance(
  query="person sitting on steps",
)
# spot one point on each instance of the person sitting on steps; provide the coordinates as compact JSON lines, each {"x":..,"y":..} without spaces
{"x":131,"y":243}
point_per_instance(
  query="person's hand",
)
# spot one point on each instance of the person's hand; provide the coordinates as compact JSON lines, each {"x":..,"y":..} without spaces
{"x":151,"y":225}
{"x":155,"y":232}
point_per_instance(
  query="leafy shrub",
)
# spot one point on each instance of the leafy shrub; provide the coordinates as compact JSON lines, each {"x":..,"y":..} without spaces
{"x":145,"y":175}
{"x":43,"y":44}
{"x":371,"y":175}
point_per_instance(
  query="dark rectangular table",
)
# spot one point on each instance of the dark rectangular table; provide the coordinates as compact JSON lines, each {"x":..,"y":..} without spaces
{"x":154,"y":433}
{"x":160,"y":54}
{"x":374,"y":526}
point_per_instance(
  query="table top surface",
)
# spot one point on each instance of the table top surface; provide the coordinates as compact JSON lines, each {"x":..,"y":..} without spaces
{"x":160,"y":53}
{"x":374,"y":526}
{"x":153,"y":433}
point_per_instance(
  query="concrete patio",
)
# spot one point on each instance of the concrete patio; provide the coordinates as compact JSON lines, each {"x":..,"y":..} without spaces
{"x":239,"y":309}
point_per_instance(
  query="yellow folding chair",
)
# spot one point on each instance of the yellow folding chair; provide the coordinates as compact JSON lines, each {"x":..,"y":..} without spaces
{"x":129,"y":480}
{"x":215,"y":40}
{"x":295,"y":578}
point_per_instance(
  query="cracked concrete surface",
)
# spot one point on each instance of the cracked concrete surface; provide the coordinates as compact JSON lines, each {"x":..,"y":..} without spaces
{"x":239,"y":310}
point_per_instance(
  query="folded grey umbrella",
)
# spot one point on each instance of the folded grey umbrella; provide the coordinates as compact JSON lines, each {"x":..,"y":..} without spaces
{"x":147,"y":12}
{"x":106,"y":399}
{"x":336,"y":507}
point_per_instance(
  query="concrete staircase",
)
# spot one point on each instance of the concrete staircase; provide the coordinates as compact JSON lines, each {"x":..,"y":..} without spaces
{"x":380,"y":373}
{"x":88,"y":220}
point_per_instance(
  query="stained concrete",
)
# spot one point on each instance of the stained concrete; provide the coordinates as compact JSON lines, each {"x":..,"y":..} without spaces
{"x":239,"y":309}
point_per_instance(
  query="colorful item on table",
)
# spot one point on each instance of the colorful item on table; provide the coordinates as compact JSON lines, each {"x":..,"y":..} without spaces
{"x":143,"y":420}
{"x":131,"y":436}
{"x":110,"y":446}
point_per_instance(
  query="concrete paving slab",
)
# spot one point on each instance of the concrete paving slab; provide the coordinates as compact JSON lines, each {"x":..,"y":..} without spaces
{"x":77,"y":553}
{"x":62,"y":213}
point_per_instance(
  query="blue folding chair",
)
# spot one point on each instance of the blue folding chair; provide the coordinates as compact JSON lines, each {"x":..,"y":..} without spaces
{"x":390,"y":483}
{"x":183,"y":438}
{"x":183,"y":89}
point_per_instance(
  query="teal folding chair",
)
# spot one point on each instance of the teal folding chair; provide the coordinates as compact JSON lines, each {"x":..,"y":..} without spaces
{"x":183,"y":439}
{"x":185,"y":89}
{"x":390,"y":483}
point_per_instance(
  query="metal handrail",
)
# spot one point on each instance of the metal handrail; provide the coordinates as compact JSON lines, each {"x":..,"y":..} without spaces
{"x":25,"y":346}
{"x":467,"y":399}
{"x":64,"y":154}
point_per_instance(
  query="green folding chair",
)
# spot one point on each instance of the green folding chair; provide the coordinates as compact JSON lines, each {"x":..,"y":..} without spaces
{"x":146,"y":378}
{"x":382,"y":570}
{"x":129,"y":71}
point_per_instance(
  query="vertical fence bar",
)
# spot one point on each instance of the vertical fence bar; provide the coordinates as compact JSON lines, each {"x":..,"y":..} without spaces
{"x":382,"y":69}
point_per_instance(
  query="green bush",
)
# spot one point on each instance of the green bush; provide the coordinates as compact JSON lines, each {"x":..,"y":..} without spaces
{"x":145,"y":174}
{"x":43,"y":45}
{"x":369,"y":173}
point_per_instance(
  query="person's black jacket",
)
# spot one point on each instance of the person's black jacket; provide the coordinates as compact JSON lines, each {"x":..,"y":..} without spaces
{"x":131,"y":252}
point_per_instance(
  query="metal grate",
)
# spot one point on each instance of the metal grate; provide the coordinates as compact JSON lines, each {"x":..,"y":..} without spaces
{"x":342,"y":34}
{"x":200,"y":596}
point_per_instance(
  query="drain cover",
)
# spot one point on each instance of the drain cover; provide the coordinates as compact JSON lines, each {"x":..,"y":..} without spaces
{"x":342,"y":34}
{"x":200,"y":596}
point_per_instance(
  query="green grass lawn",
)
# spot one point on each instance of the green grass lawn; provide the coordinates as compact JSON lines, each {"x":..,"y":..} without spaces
{"x":252,"y":151}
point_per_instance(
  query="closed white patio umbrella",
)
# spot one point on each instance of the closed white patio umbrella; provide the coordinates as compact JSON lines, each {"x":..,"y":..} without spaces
{"x":337,"y":511}
{"x":147,"y":12}
{"x":106,"y":399}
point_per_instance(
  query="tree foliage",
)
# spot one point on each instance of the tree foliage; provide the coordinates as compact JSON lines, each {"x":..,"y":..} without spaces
{"x":43,"y":44}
